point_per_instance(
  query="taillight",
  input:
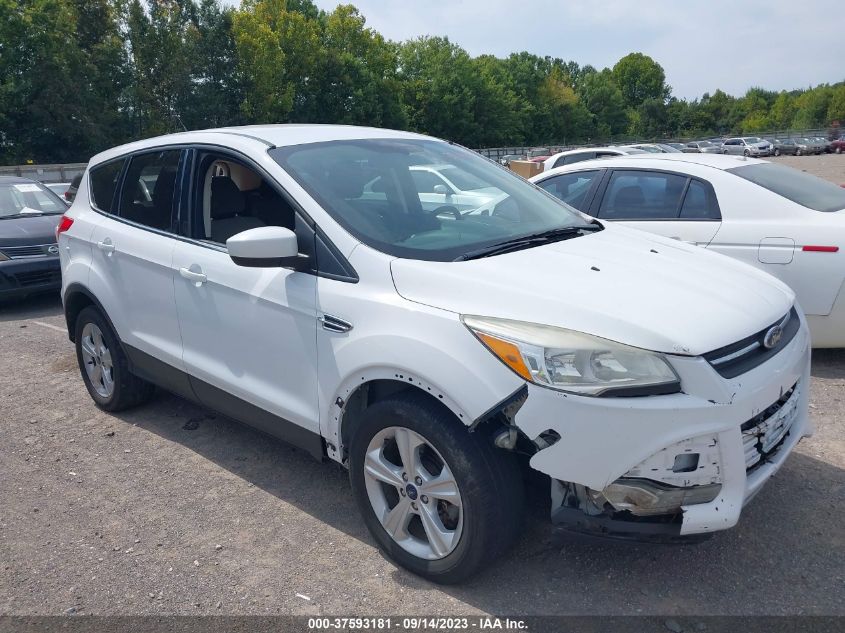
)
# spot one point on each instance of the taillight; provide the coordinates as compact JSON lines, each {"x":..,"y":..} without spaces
{"x":63,"y":226}
{"x":811,"y":248}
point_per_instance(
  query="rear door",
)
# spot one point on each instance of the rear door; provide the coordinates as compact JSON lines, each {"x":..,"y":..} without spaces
{"x":667,"y":203}
{"x":132,"y":248}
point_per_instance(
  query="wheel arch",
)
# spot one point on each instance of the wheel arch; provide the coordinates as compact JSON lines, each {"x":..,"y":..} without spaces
{"x":75,"y":299}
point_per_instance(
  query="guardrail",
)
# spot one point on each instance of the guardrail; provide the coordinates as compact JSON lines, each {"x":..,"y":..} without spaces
{"x":45,"y":173}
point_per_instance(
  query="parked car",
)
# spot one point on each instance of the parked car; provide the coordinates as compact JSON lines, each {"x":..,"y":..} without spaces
{"x":804,"y":147}
{"x":747,"y":146}
{"x":681,"y":147}
{"x":577,"y":155}
{"x":29,"y":257}
{"x":507,"y":158}
{"x":59,"y":188}
{"x":440,"y":185}
{"x":784,"y":146}
{"x":838,"y":145}
{"x":655,"y":148}
{"x":822,"y":143}
{"x":703,"y":147}
{"x":781,"y":220}
{"x":430,"y":351}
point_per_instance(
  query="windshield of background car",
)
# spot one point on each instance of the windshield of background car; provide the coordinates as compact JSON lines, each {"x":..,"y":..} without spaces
{"x":28,"y":198}
{"x":795,"y":185}
{"x":366,"y":185}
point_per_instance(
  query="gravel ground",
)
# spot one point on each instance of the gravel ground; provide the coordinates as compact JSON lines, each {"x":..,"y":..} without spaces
{"x":171,"y":509}
{"x":829,"y":166}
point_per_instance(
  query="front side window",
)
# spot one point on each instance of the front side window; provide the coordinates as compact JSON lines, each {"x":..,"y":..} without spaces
{"x":797,"y":186}
{"x":571,"y":188}
{"x":28,"y":198}
{"x":103,"y":180}
{"x":368,"y":187}
{"x":148,"y":193}
{"x":642,"y":195}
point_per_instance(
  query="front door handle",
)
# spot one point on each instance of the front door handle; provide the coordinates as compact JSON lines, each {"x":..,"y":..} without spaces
{"x":106,"y":246}
{"x":196,"y":276}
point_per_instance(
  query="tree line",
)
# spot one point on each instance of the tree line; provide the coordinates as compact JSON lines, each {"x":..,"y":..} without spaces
{"x":79,"y":76}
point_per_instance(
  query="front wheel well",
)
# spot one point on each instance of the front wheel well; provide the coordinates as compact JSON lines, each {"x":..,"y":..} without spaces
{"x":367,"y":394}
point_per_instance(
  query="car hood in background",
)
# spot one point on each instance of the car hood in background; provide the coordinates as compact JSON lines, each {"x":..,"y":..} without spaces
{"x":29,"y":229}
{"x":620,"y":284}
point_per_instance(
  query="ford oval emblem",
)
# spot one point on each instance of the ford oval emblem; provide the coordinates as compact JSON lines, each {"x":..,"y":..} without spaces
{"x":773,"y":336}
{"x":53,"y":250}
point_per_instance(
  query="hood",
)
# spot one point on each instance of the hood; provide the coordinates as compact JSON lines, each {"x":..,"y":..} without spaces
{"x":680,"y":299}
{"x":29,"y":229}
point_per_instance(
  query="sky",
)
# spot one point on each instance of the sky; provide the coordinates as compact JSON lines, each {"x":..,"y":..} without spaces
{"x":701,"y":44}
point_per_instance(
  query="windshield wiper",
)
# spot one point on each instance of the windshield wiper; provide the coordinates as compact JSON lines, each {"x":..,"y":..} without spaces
{"x":529,"y":241}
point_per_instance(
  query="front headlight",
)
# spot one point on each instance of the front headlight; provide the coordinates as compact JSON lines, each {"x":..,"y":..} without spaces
{"x":573,"y":361}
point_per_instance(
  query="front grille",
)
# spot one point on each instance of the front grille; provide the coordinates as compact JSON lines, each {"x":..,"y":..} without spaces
{"x":763,"y":434}
{"x":737,"y":358}
{"x":38,"y":277}
{"x":35,"y":250}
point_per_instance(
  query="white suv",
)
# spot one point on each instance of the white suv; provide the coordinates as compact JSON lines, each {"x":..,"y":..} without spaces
{"x":295,"y":278}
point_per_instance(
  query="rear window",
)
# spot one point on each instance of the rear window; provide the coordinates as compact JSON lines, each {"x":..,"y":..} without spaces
{"x":798,"y":186}
{"x":104,"y":183}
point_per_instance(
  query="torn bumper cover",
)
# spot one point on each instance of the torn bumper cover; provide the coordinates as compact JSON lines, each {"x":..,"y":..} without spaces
{"x":674,"y":465}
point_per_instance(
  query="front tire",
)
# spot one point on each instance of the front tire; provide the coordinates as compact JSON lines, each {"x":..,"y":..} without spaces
{"x":777,"y":152}
{"x":440,"y":501}
{"x":104,"y":365}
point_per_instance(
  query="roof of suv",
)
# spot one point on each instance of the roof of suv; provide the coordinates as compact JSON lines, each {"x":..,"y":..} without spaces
{"x":275,"y":135}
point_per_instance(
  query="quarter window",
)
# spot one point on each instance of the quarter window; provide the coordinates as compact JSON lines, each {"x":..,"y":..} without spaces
{"x":147,"y":196}
{"x":104,"y":183}
{"x":572,"y":188}
{"x":697,"y":203}
{"x":642,"y":195}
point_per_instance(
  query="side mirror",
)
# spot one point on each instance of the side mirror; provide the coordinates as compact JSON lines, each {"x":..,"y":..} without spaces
{"x":442,"y":190}
{"x":266,"y":247}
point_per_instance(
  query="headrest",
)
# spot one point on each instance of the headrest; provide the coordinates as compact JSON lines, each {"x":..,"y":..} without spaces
{"x":226,"y":199}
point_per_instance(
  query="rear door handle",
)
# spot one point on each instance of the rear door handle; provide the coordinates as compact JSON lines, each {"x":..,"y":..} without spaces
{"x":196,"y":276}
{"x":106,"y":246}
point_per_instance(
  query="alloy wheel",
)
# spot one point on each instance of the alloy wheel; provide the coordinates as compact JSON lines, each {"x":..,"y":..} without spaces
{"x":413,"y":493}
{"x":98,"y":361}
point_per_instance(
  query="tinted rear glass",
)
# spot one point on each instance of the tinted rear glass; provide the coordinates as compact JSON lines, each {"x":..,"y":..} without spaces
{"x":798,"y":186}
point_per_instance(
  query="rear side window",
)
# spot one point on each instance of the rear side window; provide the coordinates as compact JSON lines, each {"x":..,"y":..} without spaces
{"x":642,"y":195}
{"x":699,"y":203}
{"x":572,"y":188}
{"x":147,"y":196}
{"x":797,"y":186}
{"x":103,"y":180}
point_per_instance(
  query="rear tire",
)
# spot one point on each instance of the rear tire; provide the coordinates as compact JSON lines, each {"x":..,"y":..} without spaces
{"x":777,"y":152}
{"x":838,"y":150}
{"x":487,"y":481}
{"x":105,"y":366}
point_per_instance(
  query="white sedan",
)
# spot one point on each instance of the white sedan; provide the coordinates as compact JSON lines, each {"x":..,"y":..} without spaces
{"x":787,"y":222}
{"x":572,"y":156}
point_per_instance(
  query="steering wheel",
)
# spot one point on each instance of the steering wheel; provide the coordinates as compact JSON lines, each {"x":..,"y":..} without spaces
{"x":446,"y":208}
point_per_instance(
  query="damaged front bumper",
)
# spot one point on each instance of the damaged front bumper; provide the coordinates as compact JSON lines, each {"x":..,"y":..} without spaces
{"x":672,"y":466}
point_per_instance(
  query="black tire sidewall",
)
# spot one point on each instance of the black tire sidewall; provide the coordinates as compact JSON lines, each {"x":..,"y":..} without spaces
{"x":471,"y":466}
{"x":92,"y":315}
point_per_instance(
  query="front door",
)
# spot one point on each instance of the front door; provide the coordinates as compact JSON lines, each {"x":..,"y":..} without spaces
{"x":248,"y":334}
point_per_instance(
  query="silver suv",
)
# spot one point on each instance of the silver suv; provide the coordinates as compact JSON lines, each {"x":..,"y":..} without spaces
{"x":747,"y":146}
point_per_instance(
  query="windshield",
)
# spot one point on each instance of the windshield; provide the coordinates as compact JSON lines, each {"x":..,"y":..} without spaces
{"x":28,"y":198}
{"x":798,"y":186}
{"x":369,"y":188}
